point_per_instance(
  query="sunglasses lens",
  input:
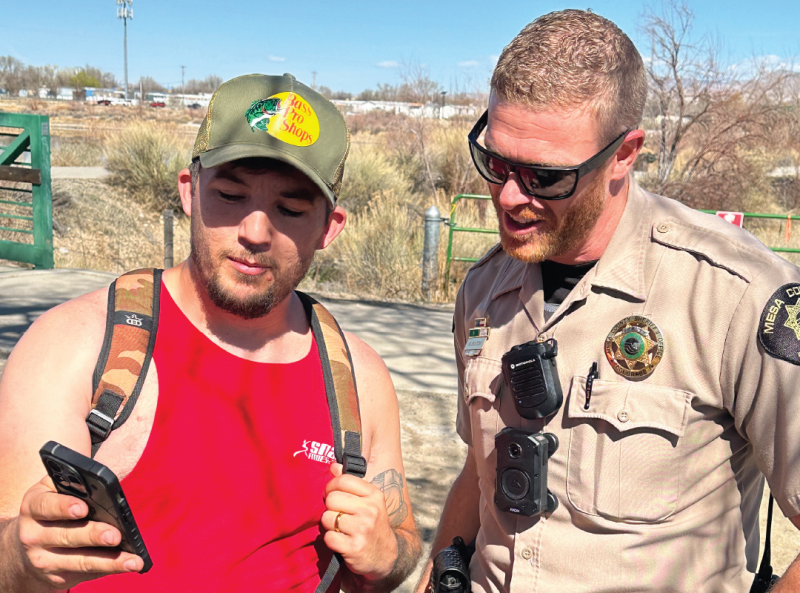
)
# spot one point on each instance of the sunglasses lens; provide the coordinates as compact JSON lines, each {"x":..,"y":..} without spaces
{"x":548,"y":184}
{"x":492,"y":169}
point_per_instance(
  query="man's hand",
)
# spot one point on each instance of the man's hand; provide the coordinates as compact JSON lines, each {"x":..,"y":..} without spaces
{"x":59,"y":547}
{"x":365,"y":538}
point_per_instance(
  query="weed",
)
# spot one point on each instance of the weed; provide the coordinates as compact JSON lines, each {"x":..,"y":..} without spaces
{"x":145,"y":160}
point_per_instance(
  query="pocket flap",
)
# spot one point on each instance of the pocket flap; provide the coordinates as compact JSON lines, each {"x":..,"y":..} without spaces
{"x":482,"y":378}
{"x":628,"y":405}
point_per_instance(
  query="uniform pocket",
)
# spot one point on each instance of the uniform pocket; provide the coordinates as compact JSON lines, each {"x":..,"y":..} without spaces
{"x":624,"y":460}
{"x":482,"y":381}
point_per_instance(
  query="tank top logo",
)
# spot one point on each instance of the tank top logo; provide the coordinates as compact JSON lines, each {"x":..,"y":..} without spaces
{"x":317,"y":452}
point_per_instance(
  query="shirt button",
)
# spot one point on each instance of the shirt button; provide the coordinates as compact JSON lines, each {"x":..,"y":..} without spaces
{"x":662,"y":228}
{"x":622,"y":416}
{"x":527,"y":553}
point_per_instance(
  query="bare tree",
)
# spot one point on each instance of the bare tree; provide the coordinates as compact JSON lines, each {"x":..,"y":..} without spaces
{"x":682,"y":75}
{"x":208,"y":85}
{"x":417,"y":86}
{"x":15,"y":75}
{"x":707,"y":117}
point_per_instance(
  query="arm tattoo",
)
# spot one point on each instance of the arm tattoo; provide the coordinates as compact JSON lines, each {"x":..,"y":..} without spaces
{"x":391,"y":483}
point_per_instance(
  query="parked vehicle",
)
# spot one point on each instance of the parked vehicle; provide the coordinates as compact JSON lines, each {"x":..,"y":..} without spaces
{"x":158,"y":104}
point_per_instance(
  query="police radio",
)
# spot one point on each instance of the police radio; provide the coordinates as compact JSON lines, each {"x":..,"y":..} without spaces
{"x":532,"y":376}
{"x":531,"y":373}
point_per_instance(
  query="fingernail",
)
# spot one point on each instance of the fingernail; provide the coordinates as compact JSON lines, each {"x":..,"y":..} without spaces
{"x":108,"y":538}
{"x":130,"y":565}
{"x":76,"y":511}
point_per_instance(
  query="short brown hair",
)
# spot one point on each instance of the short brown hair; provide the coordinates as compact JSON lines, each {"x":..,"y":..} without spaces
{"x":575,"y":59}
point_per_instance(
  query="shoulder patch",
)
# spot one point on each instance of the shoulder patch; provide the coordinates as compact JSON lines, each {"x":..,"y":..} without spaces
{"x":779,"y":328}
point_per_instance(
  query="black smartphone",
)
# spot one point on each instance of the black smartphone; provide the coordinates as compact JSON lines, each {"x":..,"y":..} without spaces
{"x":77,"y":475}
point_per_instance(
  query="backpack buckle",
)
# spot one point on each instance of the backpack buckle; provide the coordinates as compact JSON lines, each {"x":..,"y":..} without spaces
{"x":354,"y":465}
{"x":100,"y":425}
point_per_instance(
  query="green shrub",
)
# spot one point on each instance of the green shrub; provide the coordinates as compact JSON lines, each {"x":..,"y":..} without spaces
{"x":144,"y":159}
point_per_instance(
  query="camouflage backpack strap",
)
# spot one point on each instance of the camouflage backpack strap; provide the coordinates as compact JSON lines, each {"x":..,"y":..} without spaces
{"x":340,"y":386}
{"x":131,"y":324}
{"x":340,"y":389}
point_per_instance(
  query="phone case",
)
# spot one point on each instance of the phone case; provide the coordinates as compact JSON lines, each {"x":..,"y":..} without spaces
{"x":77,"y":475}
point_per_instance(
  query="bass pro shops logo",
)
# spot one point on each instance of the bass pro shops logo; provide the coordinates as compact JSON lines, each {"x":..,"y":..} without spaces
{"x":317,"y":452}
{"x":285,"y":116}
{"x":260,"y":111}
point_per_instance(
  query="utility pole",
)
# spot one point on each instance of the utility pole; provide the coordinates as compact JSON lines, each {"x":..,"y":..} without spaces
{"x":183,"y":79}
{"x":314,"y":80}
{"x":125,"y":12}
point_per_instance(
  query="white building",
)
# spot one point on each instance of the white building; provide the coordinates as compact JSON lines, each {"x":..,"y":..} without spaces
{"x":431,"y":111}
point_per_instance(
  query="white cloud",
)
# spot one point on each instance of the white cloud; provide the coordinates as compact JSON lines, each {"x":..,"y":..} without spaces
{"x":493,"y":59}
{"x":468,"y":64}
{"x":277,"y":59}
{"x":750,"y":66}
{"x":387,"y":64}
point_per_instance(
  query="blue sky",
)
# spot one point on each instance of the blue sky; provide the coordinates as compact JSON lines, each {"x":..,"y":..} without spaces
{"x":351,"y":45}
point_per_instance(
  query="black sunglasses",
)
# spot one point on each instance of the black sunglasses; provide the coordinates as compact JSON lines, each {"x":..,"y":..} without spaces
{"x":546,"y":183}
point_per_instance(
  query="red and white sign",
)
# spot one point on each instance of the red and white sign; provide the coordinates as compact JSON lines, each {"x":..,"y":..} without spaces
{"x":735,"y":218}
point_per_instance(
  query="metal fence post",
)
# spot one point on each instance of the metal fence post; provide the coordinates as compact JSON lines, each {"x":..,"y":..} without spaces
{"x":430,"y":251}
{"x":169,"y":217}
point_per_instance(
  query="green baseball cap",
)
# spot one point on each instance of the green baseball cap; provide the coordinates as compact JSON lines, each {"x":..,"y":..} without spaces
{"x":276,"y":117}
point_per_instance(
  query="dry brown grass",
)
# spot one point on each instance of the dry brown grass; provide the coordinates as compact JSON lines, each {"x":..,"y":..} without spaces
{"x":399,"y":166}
{"x":65,"y":112}
{"x":144,"y":160}
{"x":102,"y":230}
{"x":75,"y":152}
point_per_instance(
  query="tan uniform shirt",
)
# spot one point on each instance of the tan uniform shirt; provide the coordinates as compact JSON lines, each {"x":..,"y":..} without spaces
{"x":659,"y":481}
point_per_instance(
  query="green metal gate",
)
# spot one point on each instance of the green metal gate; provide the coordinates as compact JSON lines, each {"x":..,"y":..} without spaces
{"x":455,"y":228}
{"x":26,"y":202}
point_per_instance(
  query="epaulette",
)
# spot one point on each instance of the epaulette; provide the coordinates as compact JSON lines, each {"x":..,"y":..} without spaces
{"x":743,"y":256}
{"x":487,"y":256}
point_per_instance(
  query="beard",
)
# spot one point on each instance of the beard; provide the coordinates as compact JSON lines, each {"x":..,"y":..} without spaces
{"x":555,"y":238}
{"x":285,"y":278}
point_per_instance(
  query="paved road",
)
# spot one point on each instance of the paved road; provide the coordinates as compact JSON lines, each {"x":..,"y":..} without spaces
{"x":78,"y":172}
{"x":414,"y":341}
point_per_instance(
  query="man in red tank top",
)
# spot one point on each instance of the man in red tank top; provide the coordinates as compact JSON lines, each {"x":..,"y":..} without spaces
{"x":227,"y":459}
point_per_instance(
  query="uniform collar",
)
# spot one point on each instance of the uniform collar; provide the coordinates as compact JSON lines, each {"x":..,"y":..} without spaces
{"x":620,"y":268}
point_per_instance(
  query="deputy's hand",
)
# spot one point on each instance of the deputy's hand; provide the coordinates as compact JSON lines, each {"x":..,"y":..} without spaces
{"x":365,"y":539}
{"x":59,"y":547}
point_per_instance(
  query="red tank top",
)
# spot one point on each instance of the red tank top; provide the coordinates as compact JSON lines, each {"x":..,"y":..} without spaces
{"x":228,"y":493}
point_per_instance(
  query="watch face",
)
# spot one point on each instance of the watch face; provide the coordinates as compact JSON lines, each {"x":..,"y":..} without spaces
{"x":634,"y":346}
